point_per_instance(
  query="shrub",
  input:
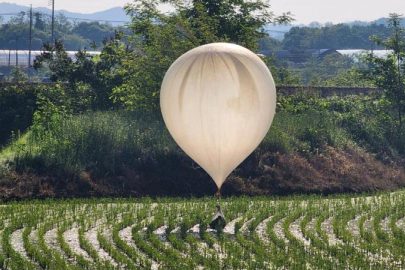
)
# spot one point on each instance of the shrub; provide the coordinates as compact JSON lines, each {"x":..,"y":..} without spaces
{"x":17,"y":106}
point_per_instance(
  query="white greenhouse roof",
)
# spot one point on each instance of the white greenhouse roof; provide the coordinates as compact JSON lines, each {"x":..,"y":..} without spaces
{"x":20,"y":57}
{"x":356,"y":53}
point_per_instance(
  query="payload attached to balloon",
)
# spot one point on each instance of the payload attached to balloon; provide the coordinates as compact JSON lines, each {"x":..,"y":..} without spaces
{"x":218,"y":101}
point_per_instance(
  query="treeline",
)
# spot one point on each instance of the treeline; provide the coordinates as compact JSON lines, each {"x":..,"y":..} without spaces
{"x":14,"y":34}
{"x":339,"y":36}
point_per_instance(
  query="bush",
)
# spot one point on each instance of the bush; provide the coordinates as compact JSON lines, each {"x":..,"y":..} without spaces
{"x":18,"y":103}
{"x":304,"y":133}
{"x":364,"y":120}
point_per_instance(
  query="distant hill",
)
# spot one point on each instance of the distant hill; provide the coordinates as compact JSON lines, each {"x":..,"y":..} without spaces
{"x":116,"y":15}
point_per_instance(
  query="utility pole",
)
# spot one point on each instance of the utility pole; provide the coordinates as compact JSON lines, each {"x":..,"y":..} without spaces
{"x":30,"y":41}
{"x":16,"y":51}
{"x":53,"y":19}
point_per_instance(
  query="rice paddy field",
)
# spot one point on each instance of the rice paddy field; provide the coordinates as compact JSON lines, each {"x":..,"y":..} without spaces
{"x":298,"y":232}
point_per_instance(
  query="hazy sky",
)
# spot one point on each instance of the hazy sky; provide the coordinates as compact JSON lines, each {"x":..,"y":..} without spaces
{"x":304,"y":11}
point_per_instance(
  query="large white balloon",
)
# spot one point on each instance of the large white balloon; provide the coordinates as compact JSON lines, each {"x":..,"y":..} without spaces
{"x":218,"y":102}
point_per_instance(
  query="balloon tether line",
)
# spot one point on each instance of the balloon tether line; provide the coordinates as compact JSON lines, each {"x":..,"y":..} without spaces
{"x":218,"y":195}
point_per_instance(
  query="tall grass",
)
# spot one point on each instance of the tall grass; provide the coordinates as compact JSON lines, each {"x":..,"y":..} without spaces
{"x":304,"y":133}
{"x":104,"y":142}
{"x":100,"y":141}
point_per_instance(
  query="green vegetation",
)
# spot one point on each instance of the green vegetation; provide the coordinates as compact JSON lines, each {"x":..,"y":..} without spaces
{"x":128,"y":153}
{"x":17,"y":105}
{"x":389,"y":73}
{"x":14,"y":34}
{"x":131,"y":67}
{"x":339,"y":36}
{"x":73,"y":143}
{"x":98,"y":131}
{"x":340,"y":232}
{"x":331,"y":70}
{"x":165,"y":37}
{"x":335,"y":69}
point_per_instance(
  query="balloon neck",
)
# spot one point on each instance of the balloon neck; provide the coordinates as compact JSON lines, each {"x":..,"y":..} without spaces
{"x":218,"y":194}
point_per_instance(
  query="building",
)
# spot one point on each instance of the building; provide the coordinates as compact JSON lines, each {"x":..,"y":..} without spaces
{"x":299,"y":56}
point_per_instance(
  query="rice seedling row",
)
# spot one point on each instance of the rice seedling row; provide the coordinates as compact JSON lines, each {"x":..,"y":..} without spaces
{"x":299,"y":232}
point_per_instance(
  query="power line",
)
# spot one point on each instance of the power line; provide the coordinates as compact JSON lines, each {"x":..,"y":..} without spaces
{"x":95,"y":20}
{"x":30,"y":43}
{"x":277,"y":31}
{"x":9,"y":14}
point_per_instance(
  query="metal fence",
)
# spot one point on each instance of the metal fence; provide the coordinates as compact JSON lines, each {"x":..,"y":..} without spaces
{"x":21,"y":58}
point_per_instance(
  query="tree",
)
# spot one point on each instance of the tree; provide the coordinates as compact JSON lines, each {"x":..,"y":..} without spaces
{"x":93,"y":31}
{"x":236,"y":21}
{"x":269,"y":43}
{"x":57,"y":59}
{"x":17,"y":75}
{"x":75,"y":42}
{"x":388,"y":73}
{"x":15,"y":32}
{"x":90,"y":78}
{"x":161,"y":38}
{"x":339,"y":36}
{"x":39,"y":22}
{"x":62,"y":24}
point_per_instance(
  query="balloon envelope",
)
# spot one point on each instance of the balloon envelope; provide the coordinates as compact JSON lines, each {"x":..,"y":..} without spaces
{"x":218,"y":102}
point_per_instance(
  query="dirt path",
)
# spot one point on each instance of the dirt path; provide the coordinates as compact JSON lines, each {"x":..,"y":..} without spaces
{"x":16,"y":241}
{"x":295,"y":230}
{"x":261,"y":230}
{"x":327,"y":227}
{"x":91,"y":236}
{"x":72,"y":239}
